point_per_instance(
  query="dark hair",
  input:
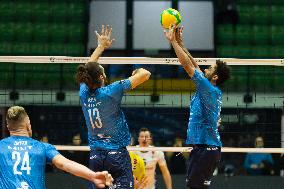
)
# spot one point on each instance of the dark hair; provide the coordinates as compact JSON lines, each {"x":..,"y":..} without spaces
{"x":89,"y":74}
{"x":223,"y":72}
{"x":144,"y":129}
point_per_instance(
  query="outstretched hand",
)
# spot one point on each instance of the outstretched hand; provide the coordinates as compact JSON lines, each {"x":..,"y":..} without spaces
{"x":171,"y":33}
{"x":104,"y":39}
{"x":102,"y":179}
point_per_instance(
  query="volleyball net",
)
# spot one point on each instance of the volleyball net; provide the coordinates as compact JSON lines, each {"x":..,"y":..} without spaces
{"x":46,"y":87}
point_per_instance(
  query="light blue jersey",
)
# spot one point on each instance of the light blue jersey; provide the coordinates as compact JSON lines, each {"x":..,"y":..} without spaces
{"x":22,"y":162}
{"x":205,"y":111}
{"x":107,"y":126}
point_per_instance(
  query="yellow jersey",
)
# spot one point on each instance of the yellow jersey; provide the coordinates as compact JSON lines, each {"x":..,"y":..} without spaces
{"x":138,"y":166}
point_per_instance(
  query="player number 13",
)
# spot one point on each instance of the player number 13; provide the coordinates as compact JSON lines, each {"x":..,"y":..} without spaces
{"x":95,"y":118}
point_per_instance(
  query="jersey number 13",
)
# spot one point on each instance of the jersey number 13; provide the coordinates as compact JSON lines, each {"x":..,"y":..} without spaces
{"x":95,"y":118}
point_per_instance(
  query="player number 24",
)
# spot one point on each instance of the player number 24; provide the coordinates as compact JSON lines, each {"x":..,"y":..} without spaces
{"x":24,"y":161}
{"x":95,"y":118}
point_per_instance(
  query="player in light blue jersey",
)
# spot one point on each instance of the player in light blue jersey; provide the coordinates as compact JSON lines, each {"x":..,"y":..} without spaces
{"x":205,"y":110}
{"x":23,"y":159}
{"x":108,"y":131}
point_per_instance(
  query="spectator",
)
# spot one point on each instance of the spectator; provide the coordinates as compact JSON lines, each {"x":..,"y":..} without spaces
{"x":49,"y":167}
{"x":177,"y":159}
{"x":78,"y":156}
{"x":259,"y":163}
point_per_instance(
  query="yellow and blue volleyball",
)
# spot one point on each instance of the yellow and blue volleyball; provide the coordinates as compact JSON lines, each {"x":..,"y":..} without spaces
{"x":170,"y":16}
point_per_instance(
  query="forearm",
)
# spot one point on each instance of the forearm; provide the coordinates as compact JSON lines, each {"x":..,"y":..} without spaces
{"x":77,"y":169}
{"x":184,"y":59}
{"x":96,"y":54}
{"x":182,"y":56}
{"x":168,"y":179}
{"x":189,"y":55}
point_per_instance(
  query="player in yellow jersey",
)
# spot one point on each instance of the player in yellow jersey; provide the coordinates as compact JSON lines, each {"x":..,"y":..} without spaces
{"x":138,"y":169}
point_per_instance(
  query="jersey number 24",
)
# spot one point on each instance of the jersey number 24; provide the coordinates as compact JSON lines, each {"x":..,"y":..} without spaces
{"x":24,"y":161}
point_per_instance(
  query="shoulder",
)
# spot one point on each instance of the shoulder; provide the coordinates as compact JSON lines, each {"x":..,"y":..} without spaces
{"x":83,"y":89}
{"x":197,"y":74}
{"x":159,"y":154}
{"x":120,"y":83}
{"x":47,"y":146}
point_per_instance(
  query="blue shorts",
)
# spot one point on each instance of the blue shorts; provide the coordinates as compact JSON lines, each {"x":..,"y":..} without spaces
{"x":202,"y":162}
{"x":117,"y":163}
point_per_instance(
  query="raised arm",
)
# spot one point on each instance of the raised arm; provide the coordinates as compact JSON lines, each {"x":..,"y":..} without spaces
{"x":101,"y":179}
{"x":138,"y":77}
{"x":104,"y":42}
{"x":182,"y":56}
{"x":179,"y":39}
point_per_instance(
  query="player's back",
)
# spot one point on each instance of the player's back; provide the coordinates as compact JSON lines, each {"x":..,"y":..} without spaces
{"x":107,"y":126}
{"x":22,"y":162}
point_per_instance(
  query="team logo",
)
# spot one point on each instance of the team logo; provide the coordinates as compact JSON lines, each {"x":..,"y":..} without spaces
{"x":207,"y":182}
{"x":24,"y":185}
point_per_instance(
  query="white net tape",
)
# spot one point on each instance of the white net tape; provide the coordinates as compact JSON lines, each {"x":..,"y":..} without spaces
{"x":137,"y":60}
{"x":179,"y":149}
{"x":157,"y":61}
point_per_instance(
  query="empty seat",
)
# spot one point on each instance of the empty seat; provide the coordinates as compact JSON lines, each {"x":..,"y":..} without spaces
{"x":41,"y":32}
{"x":261,"y":14}
{"x":245,"y":14}
{"x":225,"y":51}
{"x":261,"y":34}
{"x":23,"y":32}
{"x":23,"y":11}
{"x":278,"y":51}
{"x":243,"y":51}
{"x":244,"y":34}
{"x":58,"y":32}
{"x":6,"y":32}
{"x":5,"y":48}
{"x":41,"y":11}
{"x":261,"y":52}
{"x":76,"y":11}
{"x":39,"y":49}
{"x":59,"y":11}
{"x":56,"y":49}
{"x":7,"y":11}
{"x":76,"y":32}
{"x":277,"y":15}
{"x":225,"y":34}
{"x":75,"y":49}
{"x":21,"y":48}
{"x":277,"y":35}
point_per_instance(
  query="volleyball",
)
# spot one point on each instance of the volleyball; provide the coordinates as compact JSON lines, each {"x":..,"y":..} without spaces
{"x":170,"y":16}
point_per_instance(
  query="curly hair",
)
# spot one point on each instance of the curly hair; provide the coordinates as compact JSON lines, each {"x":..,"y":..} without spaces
{"x":89,"y":74}
{"x":223,"y":72}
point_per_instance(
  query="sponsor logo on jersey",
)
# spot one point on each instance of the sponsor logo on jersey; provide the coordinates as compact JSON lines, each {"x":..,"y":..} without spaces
{"x":207,"y":182}
{"x":24,"y":185}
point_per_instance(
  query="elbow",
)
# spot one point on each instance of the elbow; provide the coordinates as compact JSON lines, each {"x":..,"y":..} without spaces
{"x":60,"y":165}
